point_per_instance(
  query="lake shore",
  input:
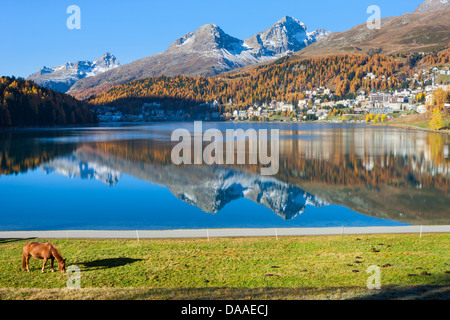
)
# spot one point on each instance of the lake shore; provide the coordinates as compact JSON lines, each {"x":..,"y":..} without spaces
{"x":382,"y":124}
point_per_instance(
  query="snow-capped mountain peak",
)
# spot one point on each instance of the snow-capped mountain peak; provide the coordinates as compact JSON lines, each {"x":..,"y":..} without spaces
{"x":63,"y":76}
{"x":213,"y":44}
{"x":319,"y":34}
{"x":107,"y":60}
{"x":286,"y":35}
{"x":206,"y":38}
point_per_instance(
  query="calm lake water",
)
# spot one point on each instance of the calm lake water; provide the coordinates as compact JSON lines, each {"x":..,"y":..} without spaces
{"x":122,"y":177}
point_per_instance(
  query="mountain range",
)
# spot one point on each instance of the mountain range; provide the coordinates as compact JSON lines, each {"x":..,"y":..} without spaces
{"x":61,"y":78}
{"x":207,"y":51}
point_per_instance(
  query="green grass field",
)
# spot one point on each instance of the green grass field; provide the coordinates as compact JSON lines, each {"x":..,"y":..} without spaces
{"x":320,"y":267}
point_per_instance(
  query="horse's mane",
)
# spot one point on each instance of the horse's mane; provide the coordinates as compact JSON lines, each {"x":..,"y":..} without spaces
{"x":55,"y":252}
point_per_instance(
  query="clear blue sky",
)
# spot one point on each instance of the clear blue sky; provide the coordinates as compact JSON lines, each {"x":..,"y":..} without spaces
{"x":34,"y":33}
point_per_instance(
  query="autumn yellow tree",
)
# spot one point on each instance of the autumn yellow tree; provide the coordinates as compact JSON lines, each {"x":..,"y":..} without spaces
{"x":376,"y":119}
{"x":441,"y":96}
{"x":370,"y":117}
{"x":437,"y":99}
{"x":436,"y":119}
{"x":421,"y":97}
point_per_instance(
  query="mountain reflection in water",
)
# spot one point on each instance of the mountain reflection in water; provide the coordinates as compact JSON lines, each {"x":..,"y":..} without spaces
{"x":386,"y":173}
{"x":209,"y":188}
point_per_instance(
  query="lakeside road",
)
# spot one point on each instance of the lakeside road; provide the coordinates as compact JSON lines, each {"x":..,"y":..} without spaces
{"x":220,"y":233}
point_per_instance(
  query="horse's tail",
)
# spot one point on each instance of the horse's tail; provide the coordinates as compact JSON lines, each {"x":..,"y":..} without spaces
{"x":24,"y":261}
{"x":24,"y":256}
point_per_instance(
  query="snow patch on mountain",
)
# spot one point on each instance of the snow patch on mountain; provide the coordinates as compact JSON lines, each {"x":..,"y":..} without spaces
{"x":318,"y":34}
{"x":62,"y":77}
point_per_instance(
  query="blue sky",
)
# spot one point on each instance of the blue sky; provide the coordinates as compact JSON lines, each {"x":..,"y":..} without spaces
{"x":34,"y":33}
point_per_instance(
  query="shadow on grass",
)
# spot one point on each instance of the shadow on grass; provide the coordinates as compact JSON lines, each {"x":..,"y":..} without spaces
{"x":7,"y":240}
{"x":438,"y":288}
{"x":411,"y":292}
{"x":421,"y":292}
{"x":108,"y":263}
{"x":334,"y":293}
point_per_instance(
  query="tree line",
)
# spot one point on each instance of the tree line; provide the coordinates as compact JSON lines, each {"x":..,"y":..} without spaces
{"x":23,"y":103}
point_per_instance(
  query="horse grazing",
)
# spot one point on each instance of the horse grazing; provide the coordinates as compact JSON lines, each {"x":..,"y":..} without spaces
{"x":44,"y":251}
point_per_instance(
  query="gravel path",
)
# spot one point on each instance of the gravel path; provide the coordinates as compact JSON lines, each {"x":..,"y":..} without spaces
{"x":216,"y":233}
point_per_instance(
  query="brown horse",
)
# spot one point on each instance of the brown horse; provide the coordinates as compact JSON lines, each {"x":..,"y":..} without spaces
{"x":44,"y":251}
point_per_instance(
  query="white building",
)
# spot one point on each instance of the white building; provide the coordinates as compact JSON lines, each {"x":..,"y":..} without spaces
{"x":402,"y":93}
{"x":286,"y":106}
{"x":303,"y":103}
{"x":360,"y":98}
{"x":384,"y":110}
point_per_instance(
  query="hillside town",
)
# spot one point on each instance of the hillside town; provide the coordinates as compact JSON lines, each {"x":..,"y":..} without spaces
{"x":320,"y":104}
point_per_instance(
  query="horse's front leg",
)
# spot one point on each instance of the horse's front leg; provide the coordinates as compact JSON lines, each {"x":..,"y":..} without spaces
{"x":43,"y":265}
{"x":51,"y":264}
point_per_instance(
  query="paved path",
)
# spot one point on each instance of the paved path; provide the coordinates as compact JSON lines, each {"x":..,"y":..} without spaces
{"x":217,"y":233}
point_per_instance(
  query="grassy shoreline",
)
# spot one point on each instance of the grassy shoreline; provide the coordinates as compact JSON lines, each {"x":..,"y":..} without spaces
{"x":420,"y":122}
{"x":305,"y":267}
{"x":409,"y":126}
